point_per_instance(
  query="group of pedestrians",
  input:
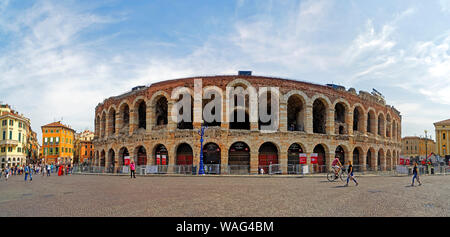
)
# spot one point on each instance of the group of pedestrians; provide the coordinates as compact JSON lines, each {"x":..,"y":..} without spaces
{"x":29,"y":170}
{"x":337,"y":166}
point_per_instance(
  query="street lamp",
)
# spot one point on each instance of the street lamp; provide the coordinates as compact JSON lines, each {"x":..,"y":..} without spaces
{"x":201,"y":132}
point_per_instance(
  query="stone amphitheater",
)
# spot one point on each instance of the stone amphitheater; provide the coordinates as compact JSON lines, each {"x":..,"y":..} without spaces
{"x":323,"y":121}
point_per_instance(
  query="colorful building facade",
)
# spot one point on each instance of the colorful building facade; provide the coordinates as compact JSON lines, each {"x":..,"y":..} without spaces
{"x":84,"y":149}
{"x":57,"y":143}
{"x":14,"y":132}
{"x":442,"y":129}
{"x":414,"y":146}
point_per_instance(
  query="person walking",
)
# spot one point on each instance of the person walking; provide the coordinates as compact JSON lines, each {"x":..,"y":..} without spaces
{"x":415,"y":175}
{"x":7,"y":170}
{"x":48,"y":170}
{"x":133,"y":170}
{"x":350,"y":174}
{"x":27,"y":170}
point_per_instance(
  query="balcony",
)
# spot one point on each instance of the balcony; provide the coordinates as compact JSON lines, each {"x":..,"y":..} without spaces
{"x":9,"y":142}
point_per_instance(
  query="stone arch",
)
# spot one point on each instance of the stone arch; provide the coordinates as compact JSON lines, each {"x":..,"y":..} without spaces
{"x":140,"y":112}
{"x":214,"y":93}
{"x":124,"y":117}
{"x":371,"y":121}
{"x":103,"y":124}
{"x":320,"y":107}
{"x":358,"y":117}
{"x":111,"y":160}
{"x":381,"y":124}
{"x":296,"y":111}
{"x":123,"y":151}
{"x":381,"y":159}
{"x":371,"y":158}
{"x":388,"y":160}
{"x":160,"y":155}
{"x":358,"y":156}
{"x":239,"y":158}
{"x":178,"y":94}
{"x":322,"y":152}
{"x":293,"y":152}
{"x":341,"y":110}
{"x":102,"y":158}
{"x":140,"y":155}
{"x":268,"y":155}
{"x":340,"y":152}
{"x":112,"y":120}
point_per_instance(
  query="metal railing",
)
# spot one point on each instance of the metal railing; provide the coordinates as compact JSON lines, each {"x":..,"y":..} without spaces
{"x":274,"y":169}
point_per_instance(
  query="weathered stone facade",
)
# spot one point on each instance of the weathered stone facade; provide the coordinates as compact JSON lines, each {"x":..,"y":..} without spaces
{"x":374,"y":131}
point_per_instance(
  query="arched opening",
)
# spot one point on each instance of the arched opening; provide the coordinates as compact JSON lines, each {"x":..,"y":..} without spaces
{"x":161,"y":109}
{"x":381,"y":125}
{"x":294,"y":152}
{"x":369,"y":159}
{"x":215,"y":106}
{"x":388,"y":126}
{"x":142,"y":115}
{"x":161,"y":158}
{"x":380,"y":157}
{"x":141,"y":156}
{"x":112,"y":121}
{"x":268,"y":155}
{"x":111,"y":159}
{"x":237,"y":123}
{"x":123,"y":152}
{"x":268,"y":98}
{"x":319,"y":116}
{"x":339,"y":118}
{"x":239,"y":158}
{"x":125,"y":114}
{"x":356,"y":158}
{"x":186,"y":123}
{"x":358,"y":119}
{"x":211,"y":158}
{"x":371,"y":122}
{"x":184,"y":159}
{"x":102,"y":158}
{"x":340,"y":153}
{"x":295,"y":113}
{"x":103,"y":130}
{"x":321,"y":159}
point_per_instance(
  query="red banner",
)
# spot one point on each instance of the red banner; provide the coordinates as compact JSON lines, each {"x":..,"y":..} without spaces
{"x":407,"y":161}
{"x":314,"y":158}
{"x":126,"y":160}
{"x":163,"y":160}
{"x":302,"y":158}
{"x":423,"y":162}
{"x":402,"y":161}
{"x":157,"y":159}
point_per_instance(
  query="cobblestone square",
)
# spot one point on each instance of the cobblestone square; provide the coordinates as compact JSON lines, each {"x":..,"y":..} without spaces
{"x":193,"y":196}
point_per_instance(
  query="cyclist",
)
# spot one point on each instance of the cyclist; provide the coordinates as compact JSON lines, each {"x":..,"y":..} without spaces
{"x":336,"y":165}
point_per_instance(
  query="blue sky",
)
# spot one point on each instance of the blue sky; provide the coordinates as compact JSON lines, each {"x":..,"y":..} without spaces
{"x":59,"y":59}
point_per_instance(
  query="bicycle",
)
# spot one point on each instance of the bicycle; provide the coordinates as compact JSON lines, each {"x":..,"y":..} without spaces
{"x":331,"y":176}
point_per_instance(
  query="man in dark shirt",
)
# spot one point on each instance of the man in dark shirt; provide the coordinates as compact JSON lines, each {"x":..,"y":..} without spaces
{"x":415,"y":175}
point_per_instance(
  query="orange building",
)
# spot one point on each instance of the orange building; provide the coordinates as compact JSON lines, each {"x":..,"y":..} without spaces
{"x":57,"y":143}
{"x":84,"y":149}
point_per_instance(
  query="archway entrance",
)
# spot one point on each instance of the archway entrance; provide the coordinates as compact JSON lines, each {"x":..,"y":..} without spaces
{"x":211,"y":158}
{"x":294,"y":159}
{"x":340,"y":153}
{"x":111,"y":160}
{"x":321,"y":159}
{"x":141,"y":156}
{"x":102,"y":159}
{"x":184,"y":159}
{"x":123,"y":152}
{"x":161,"y":158}
{"x":239,"y":158}
{"x":268,"y":155}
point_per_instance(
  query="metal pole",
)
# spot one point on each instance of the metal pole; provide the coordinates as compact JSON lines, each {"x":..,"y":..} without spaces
{"x":201,"y":171}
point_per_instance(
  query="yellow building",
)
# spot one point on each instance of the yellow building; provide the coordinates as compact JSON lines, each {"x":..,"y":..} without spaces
{"x":417,"y":146}
{"x":57,"y":143}
{"x":14,"y":129}
{"x":442,"y":140}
